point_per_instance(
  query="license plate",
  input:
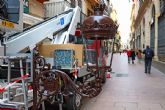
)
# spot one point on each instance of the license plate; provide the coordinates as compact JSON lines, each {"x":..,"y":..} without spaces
{"x":8,"y":24}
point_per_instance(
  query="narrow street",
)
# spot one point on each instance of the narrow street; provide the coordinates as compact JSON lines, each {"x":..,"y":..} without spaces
{"x":54,"y":54}
{"x":129,"y":88}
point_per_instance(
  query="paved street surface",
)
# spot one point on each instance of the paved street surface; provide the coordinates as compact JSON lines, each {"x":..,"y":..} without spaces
{"x":130,"y":88}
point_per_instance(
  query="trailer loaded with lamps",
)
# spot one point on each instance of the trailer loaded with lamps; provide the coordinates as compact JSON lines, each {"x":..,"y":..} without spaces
{"x":59,"y":77}
{"x":55,"y":85}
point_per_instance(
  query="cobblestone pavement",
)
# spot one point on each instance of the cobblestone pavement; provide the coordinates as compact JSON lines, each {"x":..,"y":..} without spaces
{"x":130,"y":88}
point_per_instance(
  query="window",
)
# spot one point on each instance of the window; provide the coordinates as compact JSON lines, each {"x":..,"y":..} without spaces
{"x":9,"y":10}
{"x":73,"y":3}
{"x":153,"y":14}
{"x":79,"y":3}
{"x":143,"y":26}
{"x":162,"y":6}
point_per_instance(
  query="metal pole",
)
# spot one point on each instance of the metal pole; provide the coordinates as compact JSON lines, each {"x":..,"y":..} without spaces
{"x":4,"y":52}
{"x":43,"y":106}
{"x":33,"y":75}
{"x":24,"y":87}
{"x":86,"y":52}
{"x":9,"y":78}
{"x":96,"y":56}
{"x":27,"y":67}
{"x":112,"y":52}
{"x":60,"y":106}
{"x":32,"y":65}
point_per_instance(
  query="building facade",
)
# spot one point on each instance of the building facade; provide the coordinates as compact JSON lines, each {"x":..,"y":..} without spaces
{"x":33,"y":12}
{"x":148,"y":26}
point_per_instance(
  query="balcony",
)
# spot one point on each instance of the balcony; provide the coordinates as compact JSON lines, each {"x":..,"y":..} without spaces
{"x":53,"y":8}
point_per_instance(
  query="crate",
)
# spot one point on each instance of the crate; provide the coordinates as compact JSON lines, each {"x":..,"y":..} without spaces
{"x":64,"y":58}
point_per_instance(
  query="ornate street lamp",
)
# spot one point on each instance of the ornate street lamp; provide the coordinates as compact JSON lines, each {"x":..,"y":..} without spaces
{"x":98,"y":27}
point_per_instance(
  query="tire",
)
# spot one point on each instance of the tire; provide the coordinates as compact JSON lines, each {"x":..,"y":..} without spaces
{"x":104,"y":77}
{"x":73,"y":102}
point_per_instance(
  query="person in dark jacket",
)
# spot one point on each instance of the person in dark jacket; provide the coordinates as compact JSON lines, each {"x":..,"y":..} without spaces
{"x":149,"y":54}
{"x":133,"y":55}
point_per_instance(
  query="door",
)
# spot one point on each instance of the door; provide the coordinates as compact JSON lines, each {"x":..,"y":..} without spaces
{"x":152,"y":36}
{"x":161,"y":38}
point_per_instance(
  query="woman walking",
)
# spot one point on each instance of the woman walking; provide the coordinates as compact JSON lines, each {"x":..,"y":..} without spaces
{"x":139,"y":55}
{"x":133,"y":54}
{"x":129,"y":55}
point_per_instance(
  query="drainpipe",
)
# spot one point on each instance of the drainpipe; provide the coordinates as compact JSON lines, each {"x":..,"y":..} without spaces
{"x":2,"y":42}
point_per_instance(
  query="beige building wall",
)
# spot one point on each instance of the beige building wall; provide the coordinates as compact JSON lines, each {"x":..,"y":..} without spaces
{"x":36,"y":8}
{"x":136,"y":8}
{"x":113,"y":15}
{"x":87,"y":8}
{"x":148,"y":21}
{"x":147,"y":25}
{"x":84,"y":7}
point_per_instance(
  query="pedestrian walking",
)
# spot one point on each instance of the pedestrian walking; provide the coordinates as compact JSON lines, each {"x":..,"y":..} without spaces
{"x":133,"y":55}
{"x":129,"y":55}
{"x":149,"y":54}
{"x":139,"y":55}
{"x":120,"y":52}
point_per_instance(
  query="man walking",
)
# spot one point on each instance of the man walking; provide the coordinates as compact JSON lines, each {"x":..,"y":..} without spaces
{"x":149,"y":54}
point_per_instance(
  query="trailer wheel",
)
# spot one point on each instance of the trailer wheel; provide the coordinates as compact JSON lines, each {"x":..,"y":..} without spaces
{"x":73,"y":102}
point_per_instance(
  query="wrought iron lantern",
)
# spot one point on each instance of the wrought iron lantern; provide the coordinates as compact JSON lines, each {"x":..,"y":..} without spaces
{"x":98,"y":28}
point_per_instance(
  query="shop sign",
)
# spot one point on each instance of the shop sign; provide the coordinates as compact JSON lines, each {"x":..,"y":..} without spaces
{"x":7,"y":24}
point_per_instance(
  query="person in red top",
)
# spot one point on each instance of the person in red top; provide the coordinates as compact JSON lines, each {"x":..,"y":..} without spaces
{"x":129,"y":55}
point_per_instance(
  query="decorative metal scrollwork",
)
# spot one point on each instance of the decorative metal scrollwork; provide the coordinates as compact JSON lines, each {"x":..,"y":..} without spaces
{"x":47,"y":85}
{"x":40,"y":62}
